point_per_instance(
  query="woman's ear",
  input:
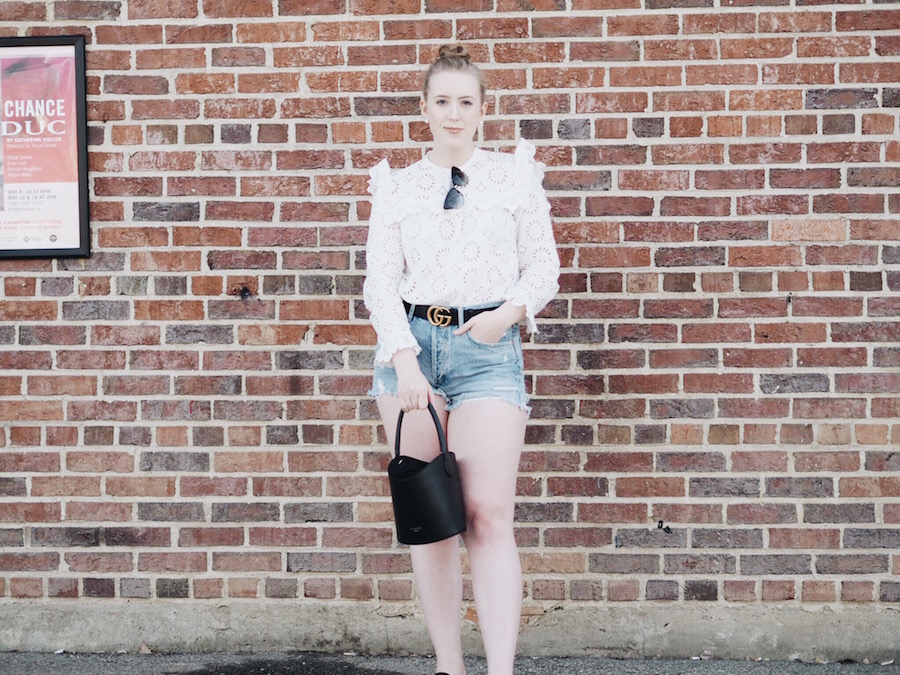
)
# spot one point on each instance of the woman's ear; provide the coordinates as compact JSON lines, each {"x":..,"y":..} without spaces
{"x":422,"y":106}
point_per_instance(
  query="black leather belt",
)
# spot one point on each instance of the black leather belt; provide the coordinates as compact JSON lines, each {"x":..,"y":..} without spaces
{"x":437,"y":315}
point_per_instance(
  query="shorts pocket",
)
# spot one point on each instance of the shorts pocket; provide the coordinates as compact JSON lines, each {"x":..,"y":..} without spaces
{"x":505,"y":341}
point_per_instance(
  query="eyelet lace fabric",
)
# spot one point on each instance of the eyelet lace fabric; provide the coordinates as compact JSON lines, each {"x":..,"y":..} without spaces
{"x":499,"y":246}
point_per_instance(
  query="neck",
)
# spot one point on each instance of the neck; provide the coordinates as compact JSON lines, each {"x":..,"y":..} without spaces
{"x":447,"y":157}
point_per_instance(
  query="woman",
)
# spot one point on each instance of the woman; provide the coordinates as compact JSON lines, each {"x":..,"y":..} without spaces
{"x":460,"y":250}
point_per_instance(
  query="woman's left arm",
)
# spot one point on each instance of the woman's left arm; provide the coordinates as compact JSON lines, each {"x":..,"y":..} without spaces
{"x":538,"y":259}
{"x":538,"y":278}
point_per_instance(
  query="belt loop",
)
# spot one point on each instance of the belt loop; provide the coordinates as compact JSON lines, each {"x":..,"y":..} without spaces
{"x":410,"y":310}
{"x":461,"y":315}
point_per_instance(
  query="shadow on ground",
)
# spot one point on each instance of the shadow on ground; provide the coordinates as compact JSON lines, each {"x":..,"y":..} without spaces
{"x":300,"y":664}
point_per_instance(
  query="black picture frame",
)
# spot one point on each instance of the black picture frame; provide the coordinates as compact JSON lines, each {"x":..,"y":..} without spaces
{"x":42,"y":86}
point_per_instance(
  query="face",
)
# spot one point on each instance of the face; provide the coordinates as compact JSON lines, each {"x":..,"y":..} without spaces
{"x":453,"y":108}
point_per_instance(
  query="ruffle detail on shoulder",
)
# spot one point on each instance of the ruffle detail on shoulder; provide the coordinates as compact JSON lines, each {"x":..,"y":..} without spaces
{"x":524,"y":155}
{"x":401,"y":193}
{"x":531,"y":176}
{"x":513,"y":180}
{"x":380,"y":179}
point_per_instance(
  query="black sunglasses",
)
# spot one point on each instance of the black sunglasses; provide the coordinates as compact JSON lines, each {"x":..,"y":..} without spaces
{"x":454,"y":198}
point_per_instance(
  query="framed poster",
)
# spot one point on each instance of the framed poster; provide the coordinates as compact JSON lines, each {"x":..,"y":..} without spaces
{"x":43,"y":148}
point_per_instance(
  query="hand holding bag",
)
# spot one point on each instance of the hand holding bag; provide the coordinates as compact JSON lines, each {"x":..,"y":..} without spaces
{"x":427,"y":496}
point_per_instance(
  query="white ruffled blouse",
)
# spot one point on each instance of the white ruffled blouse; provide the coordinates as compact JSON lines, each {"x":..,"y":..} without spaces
{"x":499,"y":246}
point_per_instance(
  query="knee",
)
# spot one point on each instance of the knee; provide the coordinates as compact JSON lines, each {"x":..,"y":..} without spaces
{"x":489,"y":521}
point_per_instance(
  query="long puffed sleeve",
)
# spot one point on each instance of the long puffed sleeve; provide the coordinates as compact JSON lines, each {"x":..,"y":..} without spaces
{"x":538,"y":259}
{"x":384,"y":269}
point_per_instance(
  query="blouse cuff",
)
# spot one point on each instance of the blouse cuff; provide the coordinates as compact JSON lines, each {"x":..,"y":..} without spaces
{"x":519,"y":298}
{"x":391,"y":344}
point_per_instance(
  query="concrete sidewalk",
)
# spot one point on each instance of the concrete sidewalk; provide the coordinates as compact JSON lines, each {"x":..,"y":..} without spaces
{"x":304,"y":663}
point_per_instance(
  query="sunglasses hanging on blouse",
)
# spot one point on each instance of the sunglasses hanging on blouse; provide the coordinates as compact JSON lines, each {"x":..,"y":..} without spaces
{"x":454,"y":198}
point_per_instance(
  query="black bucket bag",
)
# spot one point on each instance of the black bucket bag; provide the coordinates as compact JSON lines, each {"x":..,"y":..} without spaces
{"x":427,"y":496}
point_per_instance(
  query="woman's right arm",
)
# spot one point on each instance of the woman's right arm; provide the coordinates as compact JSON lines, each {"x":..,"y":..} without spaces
{"x":385,"y":265}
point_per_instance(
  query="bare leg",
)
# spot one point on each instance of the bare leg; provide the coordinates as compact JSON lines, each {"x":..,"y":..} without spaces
{"x":487,"y":437}
{"x":436,"y":567}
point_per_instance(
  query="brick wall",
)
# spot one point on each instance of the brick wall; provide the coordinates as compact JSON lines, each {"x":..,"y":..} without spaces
{"x":715,"y":387}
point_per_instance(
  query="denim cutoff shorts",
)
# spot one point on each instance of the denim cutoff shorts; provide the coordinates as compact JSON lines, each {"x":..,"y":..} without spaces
{"x":461,"y":368}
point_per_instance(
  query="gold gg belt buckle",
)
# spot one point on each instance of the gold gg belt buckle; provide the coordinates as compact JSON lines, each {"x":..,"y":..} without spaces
{"x":439,"y":316}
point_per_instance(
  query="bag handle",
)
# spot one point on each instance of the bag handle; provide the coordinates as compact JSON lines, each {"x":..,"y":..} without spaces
{"x":442,"y":438}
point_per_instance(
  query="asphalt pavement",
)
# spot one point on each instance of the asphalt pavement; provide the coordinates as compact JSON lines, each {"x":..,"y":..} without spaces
{"x":305,"y":663}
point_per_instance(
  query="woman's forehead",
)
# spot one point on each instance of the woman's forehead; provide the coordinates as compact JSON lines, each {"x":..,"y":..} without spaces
{"x":453,"y":83}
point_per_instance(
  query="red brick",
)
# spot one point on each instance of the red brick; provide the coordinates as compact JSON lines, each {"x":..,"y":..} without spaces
{"x":117,"y":512}
{"x":612,"y":513}
{"x":645,"y":76}
{"x":166,"y":9}
{"x":776,"y":590}
{"x":237,"y":8}
{"x":26,"y":587}
{"x":727,"y":74}
{"x":243,"y":587}
{"x":282,"y":536}
{"x":867,"y":20}
{"x":869,"y":487}
{"x":857,"y":591}
{"x":119,"y":35}
{"x":805,"y":21}
{"x":739,"y":590}
{"x":23,"y":11}
{"x":623,"y":590}
{"x":804,"y":178}
{"x":756,"y":48}
{"x":59,"y":486}
{"x":28,"y":310}
{"x":798,"y":74}
{"x":765,"y":256}
{"x":767,"y":462}
{"x":805,"y":539}
{"x":828,"y":153}
{"x":102,"y":563}
{"x":695,"y":206}
{"x":688,"y":154}
{"x":649,"y":487}
{"x":140,"y":487}
{"x":773,"y":204}
{"x":758,"y":100}
{"x":824,"y":46}
{"x":606,"y":257}
{"x":642,"y":25}
{"x":818,"y":591}
{"x":28,"y":462}
{"x":611,"y":102}
{"x":719,"y":22}
{"x":757,"y":514}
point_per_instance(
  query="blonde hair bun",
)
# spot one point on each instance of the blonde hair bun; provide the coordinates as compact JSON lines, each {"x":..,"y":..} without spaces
{"x":454,"y":52}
